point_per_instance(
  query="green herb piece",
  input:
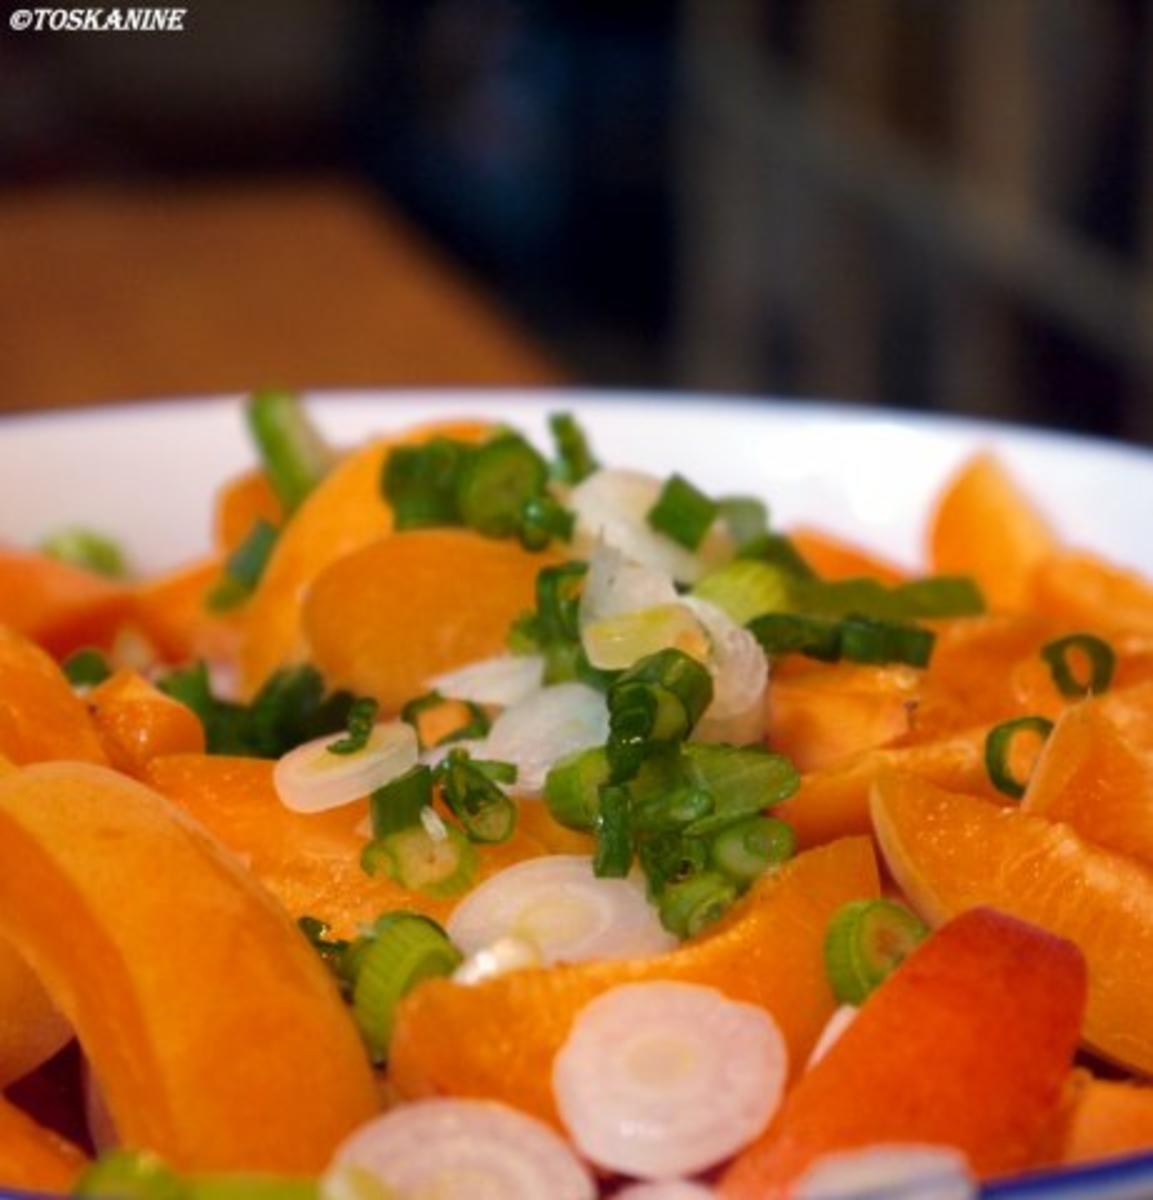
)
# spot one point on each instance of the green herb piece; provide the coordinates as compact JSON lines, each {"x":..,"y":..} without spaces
{"x":441,"y":866}
{"x":399,"y":803}
{"x":86,"y":668}
{"x":85,"y":548}
{"x":403,"y":952}
{"x":614,"y":850}
{"x":294,"y":455}
{"x":572,"y":788}
{"x":244,"y":567}
{"x":677,"y":809}
{"x":866,"y":941}
{"x":361,"y":722}
{"x":791,"y":633}
{"x":476,"y":799}
{"x":745,"y":588}
{"x":999,"y":749}
{"x":543,"y":519}
{"x":745,"y":517}
{"x":130,"y":1175}
{"x":865,"y":640}
{"x":1101,"y":661}
{"x":743,"y":781}
{"x":495,"y":483}
{"x":669,"y":858}
{"x":476,"y":725}
{"x":420,"y":483}
{"x":742,"y":852}
{"x":778,"y":551}
{"x":332,"y":950}
{"x":682,"y":512}
{"x":936,"y":596}
{"x":574,"y":459}
{"x":689,"y":907}
{"x":553,"y":629}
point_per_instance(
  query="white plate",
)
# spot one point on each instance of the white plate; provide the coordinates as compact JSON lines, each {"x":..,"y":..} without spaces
{"x":147,"y":472}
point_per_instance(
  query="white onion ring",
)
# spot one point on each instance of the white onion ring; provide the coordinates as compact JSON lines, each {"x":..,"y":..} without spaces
{"x":504,"y":680}
{"x":888,"y":1172}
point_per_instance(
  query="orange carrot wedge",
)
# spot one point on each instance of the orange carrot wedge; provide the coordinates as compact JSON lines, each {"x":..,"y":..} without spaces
{"x":1085,"y":591}
{"x":986,"y":527}
{"x":240,"y":503}
{"x":833,"y":558}
{"x":172,"y":612}
{"x":137,"y":722}
{"x":1107,"y":1118}
{"x":967,"y":1045}
{"x":385,"y":619}
{"x":33,"y":1157}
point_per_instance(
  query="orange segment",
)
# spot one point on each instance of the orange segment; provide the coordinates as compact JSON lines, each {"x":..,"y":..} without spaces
{"x":497,"y":1039}
{"x":137,"y":722}
{"x":388,"y":617}
{"x":33,"y":1157}
{"x":240,"y":503}
{"x":1085,"y":591}
{"x":171,"y":611}
{"x":834,"y":558}
{"x":310,"y":863}
{"x":985,"y":526}
{"x":1107,"y":1118}
{"x":346,"y":511}
{"x":968,"y":1044}
{"x":950,"y":852}
{"x":216,"y":1033}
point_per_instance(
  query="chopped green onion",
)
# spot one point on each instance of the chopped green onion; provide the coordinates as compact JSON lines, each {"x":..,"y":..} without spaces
{"x":496,"y":481}
{"x":743,"y":851}
{"x":866,"y":941}
{"x":86,"y":668}
{"x":558,"y":600}
{"x":476,"y":726}
{"x":998,"y":751}
{"x":936,"y":596}
{"x":400,"y":802}
{"x":689,"y":907}
{"x":244,"y":567}
{"x":574,"y":458}
{"x":1102,"y":662}
{"x":485,"y":812}
{"x":745,"y":588}
{"x":361,"y":722}
{"x":542,"y":519}
{"x":792,"y":633}
{"x":572,"y":788}
{"x":742,"y":780}
{"x":657,"y":701}
{"x":745,"y":517}
{"x":331,"y":950}
{"x":280,"y":714}
{"x":295,"y":457}
{"x":420,"y":483}
{"x":865,"y":640}
{"x":674,"y":810}
{"x":778,"y":551}
{"x":669,"y":858}
{"x":614,"y":850}
{"x":404,"y":952}
{"x":682,"y":512}
{"x":442,"y":866}
{"x":87,"y":549}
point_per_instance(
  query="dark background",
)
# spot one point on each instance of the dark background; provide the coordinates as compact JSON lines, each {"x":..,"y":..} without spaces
{"x":908,"y":202}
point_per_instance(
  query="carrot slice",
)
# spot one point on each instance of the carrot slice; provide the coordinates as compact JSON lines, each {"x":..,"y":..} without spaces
{"x":968,"y":1044}
{"x":240,"y":503}
{"x":172,"y":612}
{"x":34,"y":1157}
{"x":137,"y":722}
{"x":1085,"y":591}
{"x":834,"y":558}
{"x":985,"y":526}
{"x":1107,"y":1118}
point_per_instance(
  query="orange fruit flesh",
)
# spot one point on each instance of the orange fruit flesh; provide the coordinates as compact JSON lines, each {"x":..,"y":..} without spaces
{"x":137,"y":722}
{"x":1106,"y":1118}
{"x":33,"y":1157}
{"x":172,"y":613}
{"x":497,"y":1039}
{"x":1084,"y":591}
{"x":834,"y":558}
{"x":240,"y":503}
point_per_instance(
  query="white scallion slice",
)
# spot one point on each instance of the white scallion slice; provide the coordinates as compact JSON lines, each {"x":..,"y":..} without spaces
{"x":738,"y":665}
{"x":666,"y":1189}
{"x":615,"y":585}
{"x":560,"y":907}
{"x":466,"y":1150}
{"x":615,"y":643}
{"x":660,"y":1080}
{"x":888,"y":1172}
{"x":550,"y":724}
{"x":505,"y":680}
{"x":311,"y":779}
{"x":836,"y":1025}
{"x":504,"y":955}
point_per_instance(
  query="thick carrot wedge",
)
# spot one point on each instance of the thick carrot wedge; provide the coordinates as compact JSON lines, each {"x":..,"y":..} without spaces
{"x":497,"y":1039}
{"x":137,"y":722}
{"x":1085,"y":591}
{"x":33,"y":1157}
{"x":986,"y":527}
{"x":833,"y":558}
{"x":385,"y":619}
{"x":171,"y":611}
{"x":967,"y":1045}
{"x":1106,"y":1118}
{"x":240,"y":503}
{"x":216,"y":1033}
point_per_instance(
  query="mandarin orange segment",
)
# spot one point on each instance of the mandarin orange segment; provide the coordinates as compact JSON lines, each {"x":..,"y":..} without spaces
{"x":216,"y":1033}
{"x":497,"y":1039}
{"x":137,"y":722}
{"x":346,"y":511}
{"x":834,"y":558}
{"x":968,"y":1044}
{"x":387,"y":618}
{"x":311,"y":863}
{"x":950,"y":852}
{"x":240,"y":503}
{"x":173,"y":613}
{"x":1106,"y":1118}
{"x":1131,"y":711}
{"x":1086,"y":591}
{"x":33,"y":1157}
{"x":985,"y":526}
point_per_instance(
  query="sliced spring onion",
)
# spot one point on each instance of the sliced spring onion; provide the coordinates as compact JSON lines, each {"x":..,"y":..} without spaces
{"x":661,"y":1079}
{"x":504,"y":680}
{"x":935,"y":596}
{"x":572,"y":788}
{"x":842,"y":1018}
{"x":476,"y":799}
{"x":999,"y":751}
{"x":865,"y":943}
{"x":543,"y":518}
{"x":495,"y":482}
{"x":1100,"y":659}
{"x":735,"y":661}
{"x":441,"y":864}
{"x":682,"y":512}
{"x":616,"y":585}
{"x":692,"y":905}
{"x":672,"y":810}
{"x":88,"y":549}
{"x":331,"y":950}
{"x":866,"y":640}
{"x":574,"y":459}
{"x":295,"y":456}
{"x":558,"y":906}
{"x":778,"y":551}
{"x":244,"y":567}
{"x":292,"y":708}
{"x":655,"y":702}
{"x":670,"y":858}
{"x":399,"y":803}
{"x":402,"y":953}
{"x":924,"y":1172}
{"x":614,"y":852}
{"x":476,"y":725}
{"x":420,"y":483}
{"x":745,"y":588}
{"x":743,"y":781}
{"x":360,"y":723}
{"x":792,"y":633}
{"x":311,"y":779}
{"x":505,"y":955}
{"x":86,"y":668}
{"x":746,"y":518}
{"x":465,"y":1150}
{"x":743,"y":851}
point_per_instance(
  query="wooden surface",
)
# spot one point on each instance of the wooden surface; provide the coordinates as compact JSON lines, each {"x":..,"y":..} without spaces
{"x":114,"y":295}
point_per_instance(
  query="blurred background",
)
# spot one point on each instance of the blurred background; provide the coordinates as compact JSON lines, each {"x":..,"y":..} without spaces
{"x":925,"y":204}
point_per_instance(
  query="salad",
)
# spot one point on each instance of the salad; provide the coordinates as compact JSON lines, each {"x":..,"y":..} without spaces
{"x":480,"y":819}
